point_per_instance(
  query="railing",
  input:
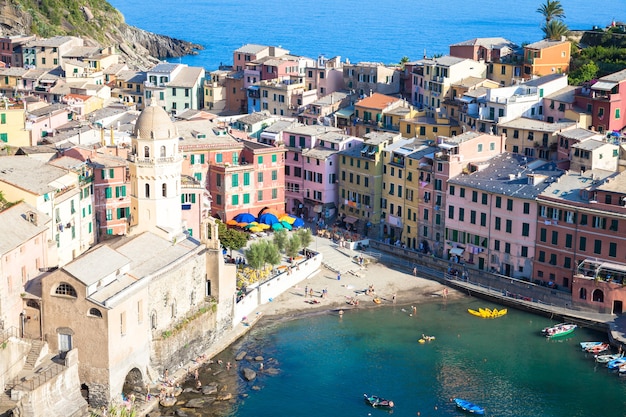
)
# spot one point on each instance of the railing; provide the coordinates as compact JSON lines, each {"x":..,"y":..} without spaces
{"x":8,"y":333}
{"x":37,"y":379}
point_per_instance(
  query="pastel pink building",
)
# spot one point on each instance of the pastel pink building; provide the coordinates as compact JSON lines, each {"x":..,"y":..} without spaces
{"x":111,"y":194}
{"x":24,"y":249}
{"x":456,"y":155}
{"x":491,"y":213}
{"x":42,"y":121}
{"x":312,"y":169}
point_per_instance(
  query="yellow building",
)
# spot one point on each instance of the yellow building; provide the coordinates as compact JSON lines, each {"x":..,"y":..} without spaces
{"x":427,"y":127}
{"x":215,"y":91}
{"x":13,"y":124}
{"x":394,"y":191}
{"x":11,"y":80}
{"x":360,"y":183}
{"x":129,"y":88}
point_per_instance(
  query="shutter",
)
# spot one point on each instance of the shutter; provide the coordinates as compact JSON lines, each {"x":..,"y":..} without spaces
{"x":193,"y":198}
{"x":192,"y":159}
{"x":117,"y":192}
{"x":182,"y":198}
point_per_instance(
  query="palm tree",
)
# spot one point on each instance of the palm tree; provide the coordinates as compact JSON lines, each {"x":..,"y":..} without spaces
{"x":555,"y":30}
{"x":551,"y":10}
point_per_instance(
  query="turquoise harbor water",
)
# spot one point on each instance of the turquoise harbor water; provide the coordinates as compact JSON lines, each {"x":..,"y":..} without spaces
{"x":327,"y":363}
{"x":364,"y":30}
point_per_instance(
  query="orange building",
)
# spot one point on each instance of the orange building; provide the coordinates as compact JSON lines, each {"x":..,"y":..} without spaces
{"x":546,"y":57}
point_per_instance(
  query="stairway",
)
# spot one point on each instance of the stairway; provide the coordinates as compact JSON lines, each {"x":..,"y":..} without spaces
{"x":33,"y":355}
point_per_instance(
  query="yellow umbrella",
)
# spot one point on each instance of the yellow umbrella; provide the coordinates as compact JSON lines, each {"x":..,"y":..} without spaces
{"x":255,"y":229}
{"x":263,"y":226}
{"x":287,"y":218}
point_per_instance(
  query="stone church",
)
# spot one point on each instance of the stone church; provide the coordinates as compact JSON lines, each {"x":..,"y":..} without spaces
{"x":145,"y":302}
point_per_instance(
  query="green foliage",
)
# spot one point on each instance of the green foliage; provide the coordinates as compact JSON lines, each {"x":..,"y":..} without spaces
{"x":190,"y":318}
{"x":230,"y":238}
{"x":586,"y":72}
{"x":66,"y":17}
{"x":552,"y":9}
{"x":305,"y":237}
{"x":272,"y":254}
{"x":261,"y":253}
{"x":555,"y":29}
{"x":280,"y":239}
{"x":293,"y":246}
{"x":595,"y":62}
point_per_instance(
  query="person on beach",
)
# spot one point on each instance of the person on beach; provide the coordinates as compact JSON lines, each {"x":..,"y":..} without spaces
{"x":306,"y":291}
{"x":393,"y":298}
{"x":414,"y":271}
{"x":311,"y":292}
{"x":339,"y":276}
{"x":196,"y":375}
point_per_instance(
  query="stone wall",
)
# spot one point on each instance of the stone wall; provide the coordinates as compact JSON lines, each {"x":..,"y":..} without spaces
{"x":13,"y":353}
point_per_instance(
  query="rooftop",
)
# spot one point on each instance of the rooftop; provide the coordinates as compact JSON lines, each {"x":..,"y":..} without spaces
{"x":18,"y":170}
{"x":568,"y":186}
{"x":16,"y":228}
{"x":537,"y":125}
{"x":508,"y":174}
{"x":187,"y":77}
{"x":590,"y":145}
{"x":377,"y":101}
{"x":580,"y":134}
{"x":251,"y":48}
{"x":542,"y":44}
{"x":96,"y":264}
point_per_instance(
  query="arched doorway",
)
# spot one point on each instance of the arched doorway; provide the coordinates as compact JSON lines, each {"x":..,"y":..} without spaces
{"x":84,"y":391}
{"x":133,"y":383}
{"x":597,"y":296}
{"x":32,"y":319}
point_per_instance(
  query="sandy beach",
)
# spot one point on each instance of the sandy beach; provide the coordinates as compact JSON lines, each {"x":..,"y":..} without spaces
{"x":386,"y":283}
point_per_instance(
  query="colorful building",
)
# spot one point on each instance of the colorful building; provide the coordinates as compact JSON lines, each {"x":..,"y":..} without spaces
{"x":605,"y":100}
{"x":546,"y":57}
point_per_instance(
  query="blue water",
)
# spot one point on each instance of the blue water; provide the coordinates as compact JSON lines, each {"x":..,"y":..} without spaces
{"x":364,"y":30}
{"x":327,"y":363}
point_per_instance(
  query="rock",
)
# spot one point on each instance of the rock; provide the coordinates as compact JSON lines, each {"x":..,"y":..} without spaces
{"x":272,"y":371}
{"x":208,"y":390}
{"x":181,"y":413}
{"x":168,"y":401}
{"x":196,"y":403}
{"x":241,"y":355}
{"x":256,"y":388}
{"x":224,"y":397}
{"x":249,"y":374}
{"x":186,"y":390}
{"x":258,"y":358}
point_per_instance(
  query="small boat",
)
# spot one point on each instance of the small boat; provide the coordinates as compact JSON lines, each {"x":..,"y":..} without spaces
{"x":377,"y":402}
{"x":585,"y":345}
{"x":559,"y":330}
{"x":425,"y":339}
{"x":598,"y":348}
{"x":474,"y":312}
{"x":608,"y":357}
{"x":487,"y":313}
{"x":469,"y":406}
{"x":545,"y":329}
{"x":616,"y":363}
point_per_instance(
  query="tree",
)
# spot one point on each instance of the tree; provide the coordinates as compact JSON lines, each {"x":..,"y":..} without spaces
{"x":280,"y":239}
{"x":272,"y":254}
{"x":555,"y":30}
{"x":261,"y":253}
{"x":552,"y":9}
{"x":305,"y":237}
{"x":403,"y":61}
{"x":586,"y":72}
{"x":293,"y":246}
{"x":231,"y":239}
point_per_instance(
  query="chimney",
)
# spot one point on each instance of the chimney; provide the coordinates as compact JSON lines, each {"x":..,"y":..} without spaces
{"x":32,"y":217}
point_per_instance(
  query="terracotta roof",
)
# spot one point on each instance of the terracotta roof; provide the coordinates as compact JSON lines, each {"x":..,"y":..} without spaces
{"x":377,"y":101}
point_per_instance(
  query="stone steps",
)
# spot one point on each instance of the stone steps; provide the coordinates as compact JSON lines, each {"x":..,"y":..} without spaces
{"x":33,"y":355}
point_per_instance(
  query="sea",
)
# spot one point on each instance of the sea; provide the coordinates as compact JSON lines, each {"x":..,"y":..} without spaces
{"x":326,"y":363}
{"x":359,"y":30}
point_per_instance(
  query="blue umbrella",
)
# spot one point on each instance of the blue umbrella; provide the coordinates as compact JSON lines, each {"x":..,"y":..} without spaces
{"x":268,"y":218}
{"x":298,"y":223}
{"x":245,"y":218}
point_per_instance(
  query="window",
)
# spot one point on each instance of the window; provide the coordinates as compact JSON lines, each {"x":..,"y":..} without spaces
{"x":259,"y":177}
{"x":498,"y":223}
{"x":526,"y":208}
{"x":123,"y":323}
{"x":109,"y":214}
{"x":525,"y":229}
{"x":474,"y":196}
{"x":543,"y":235}
{"x":147,"y":190}
{"x":612,"y":249}
{"x":509,"y":226}
{"x":461,"y":214}
{"x":498,"y":202}
{"x":65,"y":289}
{"x":259,"y":195}
{"x":583,"y":244}
{"x":483,"y":219}
{"x":524,"y":251}
{"x":567,"y":262}
{"x":462,"y":192}
{"x":274,"y":193}
{"x":568,"y":240}
{"x":234,"y":200}
{"x":484,"y":199}
{"x":451,"y":212}
{"x":164,"y":190}
{"x":507,"y":247}
{"x":235,"y":180}
{"x":218,"y":158}
{"x":246,"y":198}
{"x":94,"y":312}
{"x":473,"y":217}
{"x":246,"y":178}
{"x":274,"y":175}
{"x":597,"y":246}
{"x":496,"y":245}
{"x":260,"y":159}
{"x":542,"y":256}
{"x":509,"y":204}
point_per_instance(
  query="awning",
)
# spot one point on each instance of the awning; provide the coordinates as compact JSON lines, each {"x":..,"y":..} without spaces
{"x":465,"y":99}
{"x":456,"y":251}
{"x":603,"y":85}
{"x":350,"y":219}
{"x":346,"y":112}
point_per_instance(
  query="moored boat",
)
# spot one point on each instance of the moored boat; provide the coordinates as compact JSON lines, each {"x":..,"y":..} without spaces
{"x":616,"y":363}
{"x":585,"y":345}
{"x":598,"y":348}
{"x":559,"y":330}
{"x":608,"y":357}
{"x":469,"y":406}
{"x":378,"y":402}
{"x":487,"y":313}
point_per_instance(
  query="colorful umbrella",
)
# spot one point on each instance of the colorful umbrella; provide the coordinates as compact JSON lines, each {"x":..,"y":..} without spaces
{"x":286,"y":225}
{"x":298,"y":223}
{"x":255,"y":229}
{"x":231,"y":222}
{"x":277,"y":226}
{"x":287,"y":218}
{"x":264,"y":226}
{"x":268,"y":218}
{"x":245,"y":218}
{"x":244,"y":224}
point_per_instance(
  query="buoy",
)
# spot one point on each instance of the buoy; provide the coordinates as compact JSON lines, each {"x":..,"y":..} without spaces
{"x":421,"y":341}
